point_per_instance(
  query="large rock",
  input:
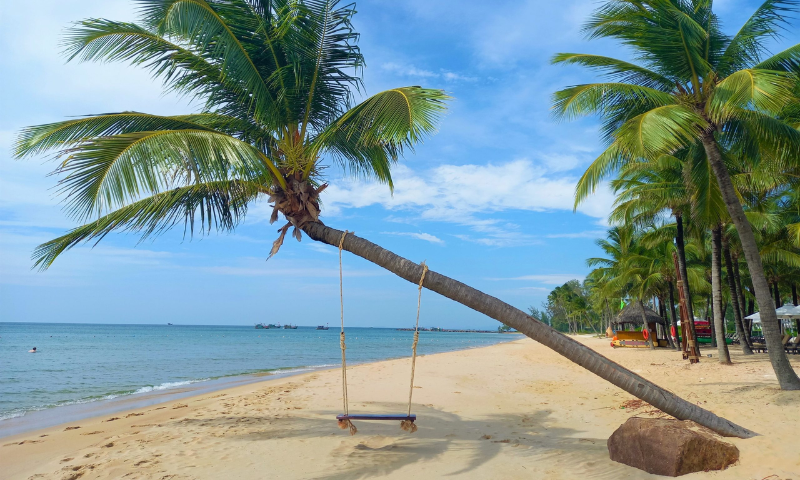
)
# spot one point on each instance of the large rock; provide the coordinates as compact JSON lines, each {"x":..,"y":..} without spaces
{"x":669,"y":447}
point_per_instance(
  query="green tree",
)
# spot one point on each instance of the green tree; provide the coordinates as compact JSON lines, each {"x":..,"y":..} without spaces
{"x":278,"y":101}
{"x":695,"y":86}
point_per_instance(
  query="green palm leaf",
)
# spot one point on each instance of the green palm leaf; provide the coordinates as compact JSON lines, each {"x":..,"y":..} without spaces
{"x":625,"y":72}
{"x":220,"y":205}
{"x":599,"y":98}
{"x":41,"y":138}
{"x":369,"y":137}
{"x":767,"y":91}
{"x":109,"y":172}
{"x":659,"y":131}
{"x":747,"y":47}
{"x":787,"y":61}
{"x":198,"y":23}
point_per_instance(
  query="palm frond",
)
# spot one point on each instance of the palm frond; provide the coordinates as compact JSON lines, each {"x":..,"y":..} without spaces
{"x":220,"y":205}
{"x":794,"y":232}
{"x":787,"y":61}
{"x":600,"y":98}
{"x":659,"y":131}
{"x":601,"y":168}
{"x":746,"y":48}
{"x":368,"y":137}
{"x":326,"y":48}
{"x":105,"y":173}
{"x":201,"y":25}
{"x":767,"y":91}
{"x":41,"y":138}
{"x":620,"y":70}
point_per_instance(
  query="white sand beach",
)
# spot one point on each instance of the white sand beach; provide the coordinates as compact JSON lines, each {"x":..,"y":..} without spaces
{"x":515,"y":410}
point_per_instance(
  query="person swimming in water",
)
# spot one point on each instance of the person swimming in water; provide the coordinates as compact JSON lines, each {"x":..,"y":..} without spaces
{"x":33,"y":350}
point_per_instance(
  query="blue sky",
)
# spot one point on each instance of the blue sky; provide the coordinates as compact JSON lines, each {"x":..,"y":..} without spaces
{"x":487,"y":201}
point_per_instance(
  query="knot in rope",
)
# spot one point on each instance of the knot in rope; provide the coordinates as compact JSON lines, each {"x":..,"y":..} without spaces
{"x":341,"y":341}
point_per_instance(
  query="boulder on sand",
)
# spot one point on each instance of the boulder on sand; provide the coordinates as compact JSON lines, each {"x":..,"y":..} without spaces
{"x":669,"y":447}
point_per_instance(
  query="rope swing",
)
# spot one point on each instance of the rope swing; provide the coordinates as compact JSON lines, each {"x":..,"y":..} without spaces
{"x":345,"y":420}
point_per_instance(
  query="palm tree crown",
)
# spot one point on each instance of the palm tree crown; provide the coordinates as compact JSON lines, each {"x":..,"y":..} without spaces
{"x":277,"y":80}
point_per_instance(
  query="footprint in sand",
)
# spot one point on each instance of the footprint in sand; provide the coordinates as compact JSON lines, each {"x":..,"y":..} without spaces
{"x":71,"y":428}
{"x":92,"y":433}
{"x":111,"y":419}
{"x":23,"y":442}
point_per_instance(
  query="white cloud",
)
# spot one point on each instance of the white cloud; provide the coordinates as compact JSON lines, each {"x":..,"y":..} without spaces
{"x":457,"y":193}
{"x":419,"y":236}
{"x":584,"y":234}
{"x":408,"y":70}
{"x":266,"y":271}
{"x":412,"y":71}
{"x":547,"y":279}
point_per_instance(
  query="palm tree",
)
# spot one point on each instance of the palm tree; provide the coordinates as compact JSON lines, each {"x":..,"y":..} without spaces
{"x":645,"y":190}
{"x":624,"y":270}
{"x":697,"y":86}
{"x":278,"y":101}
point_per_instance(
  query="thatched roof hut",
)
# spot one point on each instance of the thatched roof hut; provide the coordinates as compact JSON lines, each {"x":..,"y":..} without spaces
{"x":632,"y":314}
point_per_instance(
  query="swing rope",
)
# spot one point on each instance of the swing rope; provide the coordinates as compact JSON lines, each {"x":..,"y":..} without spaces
{"x":408,"y":425}
{"x":345,"y":423}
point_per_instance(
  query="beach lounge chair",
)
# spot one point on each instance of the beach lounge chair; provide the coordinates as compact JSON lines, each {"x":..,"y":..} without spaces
{"x":793,"y":345}
{"x":759,"y":345}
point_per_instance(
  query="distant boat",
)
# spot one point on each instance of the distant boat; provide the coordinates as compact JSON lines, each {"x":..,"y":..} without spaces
{"x":290,"y":327}
{"x":321,"y":327}
{"x":261,"y":325}
{"x":169,"y":324}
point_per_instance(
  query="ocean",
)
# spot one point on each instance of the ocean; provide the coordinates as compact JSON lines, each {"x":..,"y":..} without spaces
{"x":83,"y":364}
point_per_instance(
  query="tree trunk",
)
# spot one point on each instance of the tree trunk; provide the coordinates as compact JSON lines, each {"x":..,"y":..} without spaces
{"x":710,"y":318}
{"x":794,"y":301}
{"x":737,"y":313}
{"x":787,"y":378}
{"x":582,"y":355}
{"x":672,"y":315}
{"x":739,"y":288}
{"x":662,"y":311}
{"x":684,"y":284}
{"x":716,"y":289}
{"x":646,"y":327}
{"x":778,"y":301}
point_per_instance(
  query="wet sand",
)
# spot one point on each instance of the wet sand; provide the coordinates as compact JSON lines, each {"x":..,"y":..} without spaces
{"x":515,"y":410}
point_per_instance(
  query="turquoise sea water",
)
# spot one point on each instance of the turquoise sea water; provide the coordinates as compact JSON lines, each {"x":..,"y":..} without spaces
{"x":82,"y":363}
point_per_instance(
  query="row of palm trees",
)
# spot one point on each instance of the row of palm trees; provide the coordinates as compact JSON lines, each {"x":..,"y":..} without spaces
{"x":703,"y":127}
{"x":637,"y":266}
{"x":277,"y":80}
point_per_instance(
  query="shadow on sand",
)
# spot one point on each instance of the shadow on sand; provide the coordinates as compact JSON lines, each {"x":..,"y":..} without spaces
{"x":381,"y":448}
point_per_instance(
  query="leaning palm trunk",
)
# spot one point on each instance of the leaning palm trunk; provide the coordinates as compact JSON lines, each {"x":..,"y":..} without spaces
{"x":716,"y":287}
{"x":646,"y":327}
{"x":787,"y":378}
{"x":584,"y":356}
{"x":737,"y":312}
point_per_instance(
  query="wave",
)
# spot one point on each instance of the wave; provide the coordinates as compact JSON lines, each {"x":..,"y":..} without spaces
{"x":19,"y":412}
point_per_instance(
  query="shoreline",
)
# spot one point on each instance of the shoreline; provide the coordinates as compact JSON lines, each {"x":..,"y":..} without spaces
{"x":510,"y":410}
{"x":53,"y":416}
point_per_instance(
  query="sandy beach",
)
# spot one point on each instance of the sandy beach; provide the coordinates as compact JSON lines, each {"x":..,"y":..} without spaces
{"x":515,"y":410}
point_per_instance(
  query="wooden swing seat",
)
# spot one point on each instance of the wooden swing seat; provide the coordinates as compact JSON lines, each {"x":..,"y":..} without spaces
{"x":377,"y":416}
